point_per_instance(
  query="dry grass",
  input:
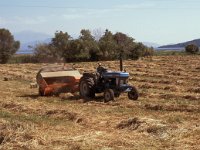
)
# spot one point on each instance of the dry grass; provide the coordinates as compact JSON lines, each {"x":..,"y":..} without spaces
{"x":165,"y":117}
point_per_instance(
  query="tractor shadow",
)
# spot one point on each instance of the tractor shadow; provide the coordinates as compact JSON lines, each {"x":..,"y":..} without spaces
{"x":32,"y":96}
{"x":75,"y":98}
{"x":78,"y":98}
{"x":96,"y":99}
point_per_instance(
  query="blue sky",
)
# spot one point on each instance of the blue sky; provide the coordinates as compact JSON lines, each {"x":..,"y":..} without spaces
{"x":159,"y":21}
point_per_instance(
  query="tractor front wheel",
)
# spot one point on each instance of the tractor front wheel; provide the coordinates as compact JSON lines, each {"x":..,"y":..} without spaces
{"x":108,"y":95}
{"x":133,"y":94}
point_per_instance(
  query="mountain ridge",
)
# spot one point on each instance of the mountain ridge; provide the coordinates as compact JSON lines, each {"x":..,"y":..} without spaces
{"x":30,"y":38}
{"x":183,"y":44}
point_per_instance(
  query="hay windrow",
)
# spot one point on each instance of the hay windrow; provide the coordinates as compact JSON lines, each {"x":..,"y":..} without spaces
{"x":165,"y":117}
{"x":181,"y":108}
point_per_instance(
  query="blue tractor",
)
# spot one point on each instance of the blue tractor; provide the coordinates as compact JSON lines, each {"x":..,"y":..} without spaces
{"x":111,"y":83}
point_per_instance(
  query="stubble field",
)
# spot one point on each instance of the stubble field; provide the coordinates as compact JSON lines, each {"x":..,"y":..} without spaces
{"x":167,"y":115}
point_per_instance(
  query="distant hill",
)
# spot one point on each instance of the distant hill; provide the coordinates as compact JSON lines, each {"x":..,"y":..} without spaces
{"x":30,"y":38}
{"x":181,"y":45}
{"x":26,"y":49}
{"x":150,"y":44}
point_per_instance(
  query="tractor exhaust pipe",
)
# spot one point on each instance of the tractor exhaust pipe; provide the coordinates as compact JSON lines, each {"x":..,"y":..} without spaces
{"x":121,"y":63}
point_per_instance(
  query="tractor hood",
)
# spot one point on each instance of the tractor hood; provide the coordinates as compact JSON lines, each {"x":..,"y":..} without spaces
{"x":111,"y":74}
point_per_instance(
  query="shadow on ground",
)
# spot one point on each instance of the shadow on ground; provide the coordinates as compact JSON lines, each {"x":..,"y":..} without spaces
{"x":65,"y":97}
{"x":32,"y":96}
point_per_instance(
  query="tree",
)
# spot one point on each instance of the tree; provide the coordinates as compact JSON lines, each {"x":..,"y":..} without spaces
{"x":60,"y":43}
{"x":58,"y":49}
{"x":140,"y":50}
{"x":107,"y":45}
{"x":124,"y":44}
{"x":89,"y":46}
{"x":136,"y":51}
{"x":74,"y":52}
{"x":45,"y":53}
{"x":8,"y":46}
{"x":192,"y":49}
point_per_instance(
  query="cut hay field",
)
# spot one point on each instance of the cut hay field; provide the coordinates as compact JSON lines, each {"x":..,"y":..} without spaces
{"x":167,"y":115}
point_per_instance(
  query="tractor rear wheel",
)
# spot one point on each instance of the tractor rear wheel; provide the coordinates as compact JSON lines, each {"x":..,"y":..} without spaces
{"x":108,"y":95}
{"x":86,"y":88}
{"x":133,"y":94}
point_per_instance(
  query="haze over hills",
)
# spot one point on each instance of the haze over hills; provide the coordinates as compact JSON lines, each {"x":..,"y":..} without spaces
{"x":151,"y":44}
{"x":181,"y":45}
{"x":30,"y":38}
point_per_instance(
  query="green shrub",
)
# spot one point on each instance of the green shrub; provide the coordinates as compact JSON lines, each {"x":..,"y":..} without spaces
{"x":192,"y":49}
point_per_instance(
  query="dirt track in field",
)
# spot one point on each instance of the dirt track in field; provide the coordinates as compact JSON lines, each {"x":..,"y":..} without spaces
{"x":167,"y":115}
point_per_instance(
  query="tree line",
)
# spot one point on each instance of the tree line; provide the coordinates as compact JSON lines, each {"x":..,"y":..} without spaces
{"x":87,"y":47}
